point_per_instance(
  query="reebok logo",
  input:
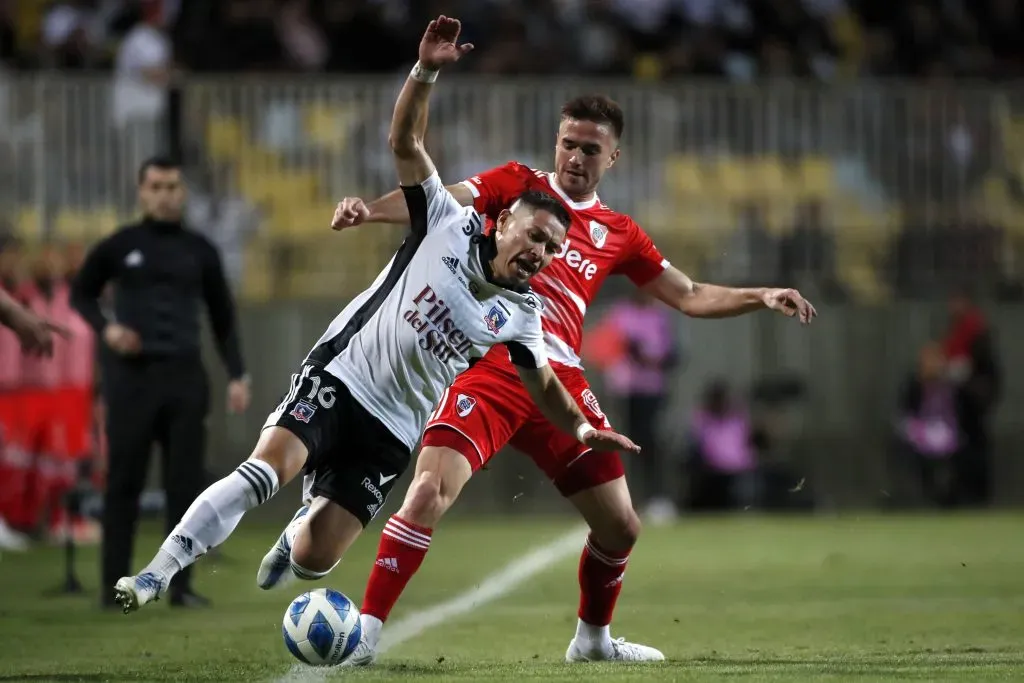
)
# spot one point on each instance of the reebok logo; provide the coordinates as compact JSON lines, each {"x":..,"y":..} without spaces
{"x":368,"y":485}
{"x":451,"y":263}
{"x":389,"y":563}
{"x":184,"y":542}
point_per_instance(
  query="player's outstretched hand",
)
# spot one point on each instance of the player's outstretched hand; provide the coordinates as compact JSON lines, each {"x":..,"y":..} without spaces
{"x":36,"y":334}
{"x":607,"y":440}
{"x":790,"y":303}
{"x":350,"y":212}
{"x":440,"y":43}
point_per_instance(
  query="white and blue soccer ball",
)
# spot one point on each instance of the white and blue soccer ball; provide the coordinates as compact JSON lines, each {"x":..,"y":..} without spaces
{"x":321,"y":627}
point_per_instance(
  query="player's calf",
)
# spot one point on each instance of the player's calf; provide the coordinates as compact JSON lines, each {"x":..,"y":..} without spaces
{"x":326,"y":533}
{"x":213,"y":516}
{"x":441,"y":473}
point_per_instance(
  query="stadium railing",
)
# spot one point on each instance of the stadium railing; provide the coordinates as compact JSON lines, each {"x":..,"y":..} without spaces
{"x":723,"y":176}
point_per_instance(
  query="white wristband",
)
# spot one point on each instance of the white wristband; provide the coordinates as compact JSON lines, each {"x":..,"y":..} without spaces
{"x":583,"y":430}
{"x":423,"y":74}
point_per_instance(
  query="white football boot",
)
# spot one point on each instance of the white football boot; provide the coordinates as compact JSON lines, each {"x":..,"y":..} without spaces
{"x":366,"y":650}
{"x":275,"y":569}
{"x":620,"y":651}
{"x":132,"y":592}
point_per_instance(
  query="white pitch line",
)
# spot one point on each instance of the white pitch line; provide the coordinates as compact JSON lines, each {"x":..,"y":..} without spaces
{"x":495,"y":586}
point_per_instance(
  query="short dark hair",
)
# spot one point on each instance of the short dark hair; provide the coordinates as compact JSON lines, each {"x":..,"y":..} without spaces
{"x":542,"y":201}
{"x":599,"y":109}
{"x":164,"y":162}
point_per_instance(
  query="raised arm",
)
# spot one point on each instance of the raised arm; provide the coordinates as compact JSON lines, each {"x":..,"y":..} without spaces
{"x":699,"y":300}
{"x":438,"y":47}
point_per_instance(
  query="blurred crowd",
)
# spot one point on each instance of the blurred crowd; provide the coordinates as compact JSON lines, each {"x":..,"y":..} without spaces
{"x":50,"y":440}
{"x":739,"y":449}
{"x":736,"y":39}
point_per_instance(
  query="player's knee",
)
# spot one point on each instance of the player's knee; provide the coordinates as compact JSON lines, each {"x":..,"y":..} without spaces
{"x":283,"y":451}
{"x":620,"y":532}
{"x":426,"y":502}
{"x":311,"y":563}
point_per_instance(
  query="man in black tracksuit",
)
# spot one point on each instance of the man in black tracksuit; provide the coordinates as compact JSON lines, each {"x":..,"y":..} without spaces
{"x":154,"y":383}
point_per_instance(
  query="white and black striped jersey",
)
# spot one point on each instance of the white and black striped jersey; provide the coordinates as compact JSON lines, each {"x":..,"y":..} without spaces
{"x":401,"y":343}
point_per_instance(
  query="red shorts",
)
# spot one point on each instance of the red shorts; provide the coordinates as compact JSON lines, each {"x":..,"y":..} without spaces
{"x":41,"y":429}
{"x":10,"y":415}
{"x":75,"y":409}
{"x":489,"y":407}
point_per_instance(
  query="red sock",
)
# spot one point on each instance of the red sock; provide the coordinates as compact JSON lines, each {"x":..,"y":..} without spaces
{"x":403,"y":545}
{"x":601,"y":573}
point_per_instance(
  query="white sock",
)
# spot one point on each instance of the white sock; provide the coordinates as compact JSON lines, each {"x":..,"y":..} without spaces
{"x":309,"y":574}
{"x":213,"y":516}
{"x":371,"y":629}
{"x":592,"y":637}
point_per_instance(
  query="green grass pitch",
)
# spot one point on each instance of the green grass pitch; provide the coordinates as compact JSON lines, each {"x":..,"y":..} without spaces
{"x":851,"y":598}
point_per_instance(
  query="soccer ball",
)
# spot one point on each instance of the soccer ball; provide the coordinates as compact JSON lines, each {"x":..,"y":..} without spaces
{"x":321,"y":627}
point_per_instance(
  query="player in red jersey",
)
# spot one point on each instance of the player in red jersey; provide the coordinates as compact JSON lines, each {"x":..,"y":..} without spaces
{"x":487,"y":407}
{"x":73,"y":402}
{"x":27,"y":428}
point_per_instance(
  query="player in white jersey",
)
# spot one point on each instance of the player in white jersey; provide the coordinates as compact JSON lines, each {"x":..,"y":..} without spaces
{"x":356,"y":409}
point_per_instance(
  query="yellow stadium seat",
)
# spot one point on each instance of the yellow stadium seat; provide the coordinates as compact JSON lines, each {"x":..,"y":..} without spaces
{"x":275,"y":191}
{"x":257,"y":274}
{"x":684,"y":176}
{"x":300,"y":219}
{"x":29,"y":224}
{"x":225,"y":138}
{"x":104,"y":221}
{"x":733,"y":179}
{"x":257,"y":160}
{"x":72,"y":225}
{"x":328,"y":126}
{"x":815,"y":178}
{"x":779,"y":216}
{"x":767,"y":178}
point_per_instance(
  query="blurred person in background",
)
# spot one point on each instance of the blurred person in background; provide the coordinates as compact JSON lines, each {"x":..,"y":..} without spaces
{"x":721,"y":461}
{"x":41,"y":430}
{"x":143,"y":73}
{"x":74,"y":405}
{"x":73,"y":32}
{"x":155,"y":384}
{"x":12,"y":456}
{"x":929,"y":433}
{"x":974,"y":369}
{"x":217,"y":209}
{"x":641,"y":348}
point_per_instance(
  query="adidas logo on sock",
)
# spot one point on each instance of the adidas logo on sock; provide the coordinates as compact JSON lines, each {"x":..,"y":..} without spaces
{"x":616,"y":581}
{"x":389,"y":563}
{"x":184,"y":542}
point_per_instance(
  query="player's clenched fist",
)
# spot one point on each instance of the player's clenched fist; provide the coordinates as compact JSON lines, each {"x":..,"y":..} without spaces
{"x":350,"y":212}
